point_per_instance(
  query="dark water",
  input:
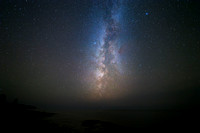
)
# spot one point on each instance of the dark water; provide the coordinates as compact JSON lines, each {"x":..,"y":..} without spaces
{"x":121,"y":120}
{"x":29,"y":119}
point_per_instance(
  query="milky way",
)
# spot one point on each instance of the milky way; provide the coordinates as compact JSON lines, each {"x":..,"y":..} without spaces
{"x":86,"y":53}
{"x":107,"y":58}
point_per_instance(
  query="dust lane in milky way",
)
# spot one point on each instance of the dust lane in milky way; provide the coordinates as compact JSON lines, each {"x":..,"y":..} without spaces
{"x":107,"y":58}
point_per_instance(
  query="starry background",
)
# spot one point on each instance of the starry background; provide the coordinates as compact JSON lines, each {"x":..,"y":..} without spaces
{"x":47,"y":48}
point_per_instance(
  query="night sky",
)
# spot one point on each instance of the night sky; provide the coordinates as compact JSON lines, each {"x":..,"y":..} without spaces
{"x":100,"y":53}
